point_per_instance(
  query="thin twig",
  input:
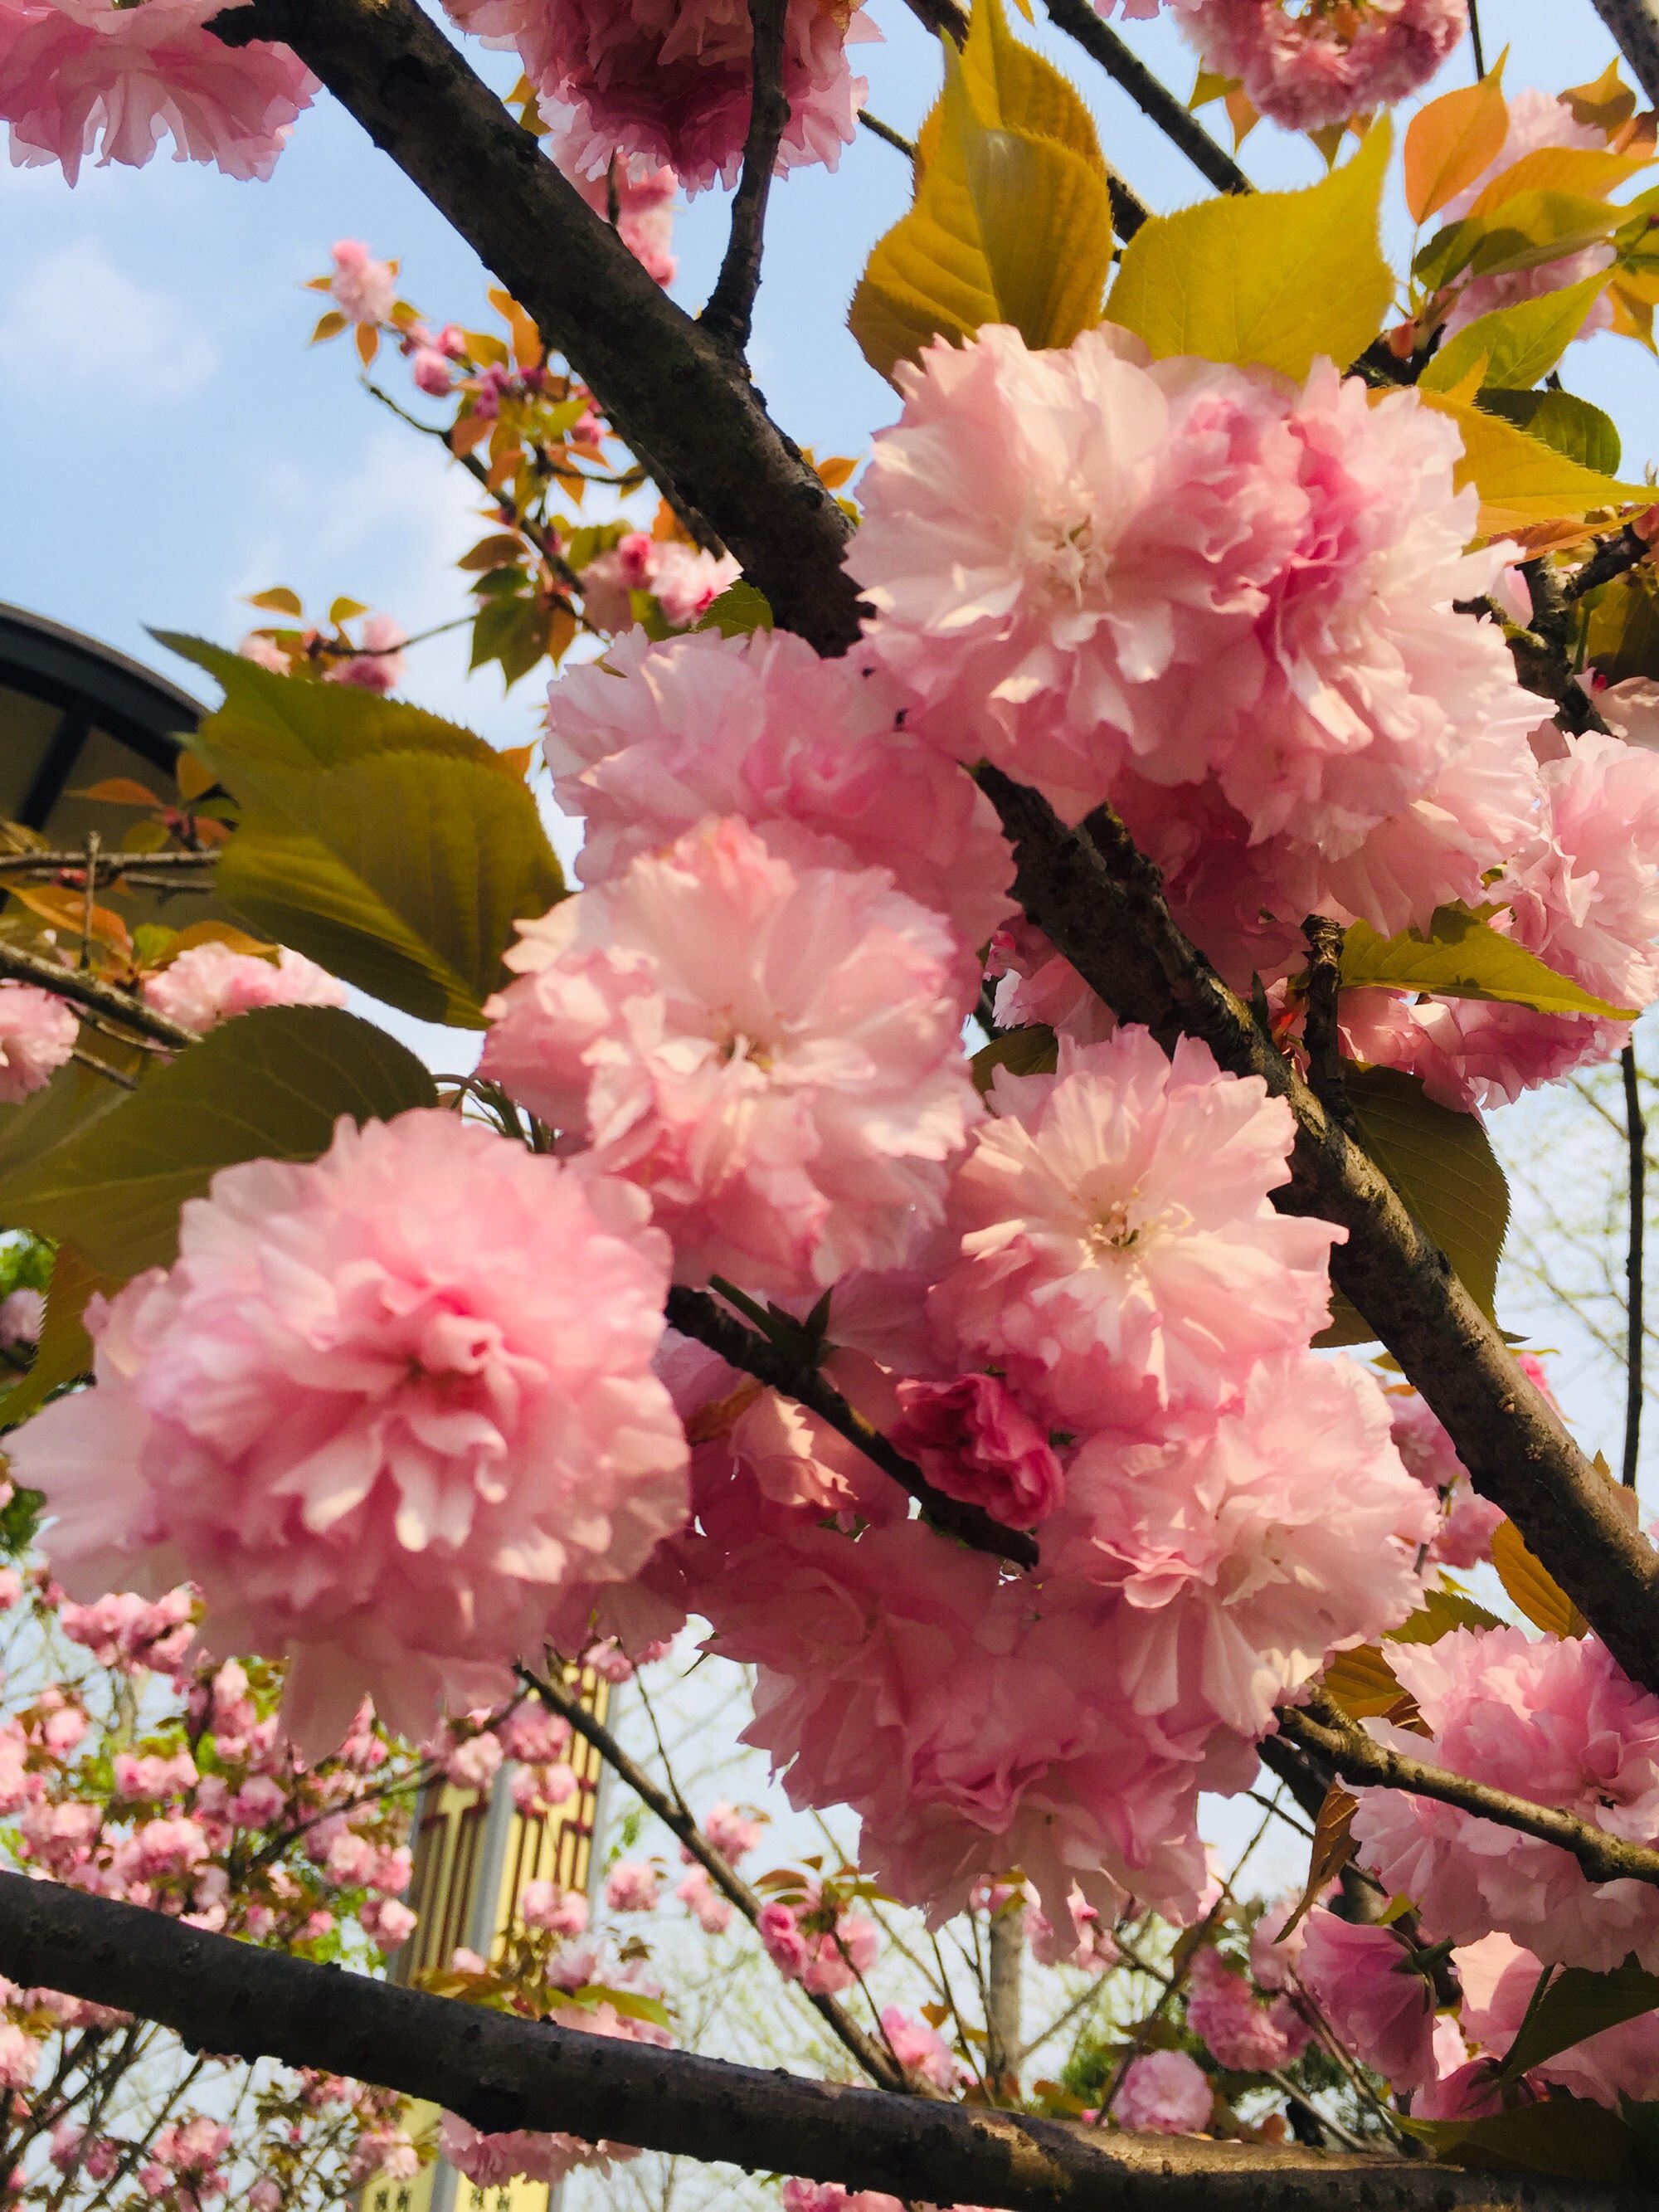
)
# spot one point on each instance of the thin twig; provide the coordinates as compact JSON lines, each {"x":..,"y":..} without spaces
{"x":110,"y":865}
{"x":1178,"y":124}
{"x":886,"y":132}
{"x":884,"y":2071}
{"x":731,"y":307}
{"x":1475,"y":33}
{"x":1323,"y":1727}
{"x":694,"y":1314}
{"x":84,"y":991}
{"x":1636,"y":1135}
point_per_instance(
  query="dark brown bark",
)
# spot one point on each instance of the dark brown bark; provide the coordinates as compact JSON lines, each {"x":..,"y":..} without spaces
{"x":1635,"y":24}
{"x":1102,"y":902}
{"x":730,"y":305}
{"x":1078,"y":19}
{"x":678,"y":396}
{"x":499,"y":2072}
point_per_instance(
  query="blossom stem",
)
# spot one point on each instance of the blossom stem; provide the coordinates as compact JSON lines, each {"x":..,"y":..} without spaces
{"x":729,"y":311}
{"x":1100,"y":903}
{"x":83,"y":990}
{"x":877,"y":2063}
{"x":1322,"y":1726}
{"x":694,"y":1314}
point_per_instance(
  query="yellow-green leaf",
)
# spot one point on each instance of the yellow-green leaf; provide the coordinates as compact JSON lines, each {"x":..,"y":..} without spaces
{"x":1561,"y":421}
{"x":1535,"y":228}
{"x":1463,"y":957}
{"x":1362,"y":1682}
{"x":1278,"y":278}
{"x":740,"y":610}
{"x":279,"y":600}
{"x":1520,"y":344}
{"x":1532,"y":1587}
{"x":268,"y":1085}
{"x":1443,"y":1167}
{"x":1441,"y":1611}
{"x":1522,"y":480}
{"x":1587,"y":171}
{"x":1451,"y":141}
{"x":1030,"y":1051}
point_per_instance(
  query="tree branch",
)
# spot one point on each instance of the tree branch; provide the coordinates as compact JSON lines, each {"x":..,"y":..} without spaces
{"x":500,"y":2072}
{"x":1175,"y":121}
{"x":694,"y":1313}
{"x":876,"y":2063}
{"x":1635,"y":24}
{"x":84,"y":990}
{"x":730,"y":308}
{"x":676,"y":394}
{"x":107,"y":866}
{"x":1101,"y":901}
{"x":1322,"y":1726}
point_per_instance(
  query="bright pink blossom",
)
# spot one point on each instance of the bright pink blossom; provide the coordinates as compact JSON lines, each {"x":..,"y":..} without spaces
{"x":666,"y":81}
{"x":1499,"y":1980}
{"x":1084,"y":565}
{"x":37,"y":1035}
{"x":1555,"y":1722}
{"x":1119,"y":1251}
{"x":544,"y":1905}
{"x":1164,"y":2093}
{"x":772,"y":1052}
{"x":19,"y":2056}
{"x":1090,"y":1946}
{"x":973,"y":1440}
{"x":382,"y":1407}
{"x":1365,"y":1982}
{"x":210,"y":984}
{"x":80,"y":75}
{"x":378,"y":665}
{"x":762,"y":727}
{"x":698,"y":1894}
{"x":732,"y":1833}
{"x":1243,"y":2034}
{"x":917,"y":2048}
{"x":632,"y":1886}
{"x":1309,"y":68}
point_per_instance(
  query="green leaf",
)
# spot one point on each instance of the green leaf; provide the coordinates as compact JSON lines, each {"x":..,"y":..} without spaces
{"x":76,"y":1098}
{"x":1578,"y":2004}
{"x":1011,"y":221}
{"x":1518,"y":346}
{"x":1463,"y":957}
{"x":1030,"y":1051}
{"x":1442,"y":1611}
{"x":404,"y":873}
{"x":268,"y":1084}
{"x":513,"y":630}
{"x":1521,"y":479}
{"x":1539,"y":226}
{"x":297,"y":724}
{"x":1443,"y":1167}
{"x":1563,"y":422}
{"x":1567,"y":2136}
{"x":1274,"y":277}
{"x":1622,"y":638}
{"x":740,"y":610}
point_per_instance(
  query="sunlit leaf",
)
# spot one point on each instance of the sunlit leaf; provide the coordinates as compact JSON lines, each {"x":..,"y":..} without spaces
{"x":1531,"y":1586}
{"x":1451,"y":141}
{"x":1331,"y":1847}
{"x":1463,"y":957}
{"x":1520,"y":479}
{"x":279,"y":600}
{"x":1519,"y":344}
{"x":1277,"y":278}
{"x":1362,"y":1682}
{"x":739,"y":611}
{"x":1442,"y":1611}
{"x":1587,"y":171}
{"x":1568,"y":425}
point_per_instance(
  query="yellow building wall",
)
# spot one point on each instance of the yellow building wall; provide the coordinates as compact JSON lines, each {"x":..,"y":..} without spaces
{"x":475,"y":1853}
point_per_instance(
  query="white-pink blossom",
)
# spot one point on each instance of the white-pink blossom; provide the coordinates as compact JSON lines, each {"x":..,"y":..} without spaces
{"x":82,"y":76}
{"x":377,"y":665}
{"x":1164,"y":2093}
{"x":814,"y":752}
{"x":1119,"y":1252}
{"x":37,"y":1035}
{"x":22,"y":1313}
{"x":382,"y":1408}
{"x":209,"y":983}
{"x":632,"y":1886}
{"x":772,"y":1052}
{"x":362,"y":288}
{"x":698,"y":1894}
{"x":1309,"y":68}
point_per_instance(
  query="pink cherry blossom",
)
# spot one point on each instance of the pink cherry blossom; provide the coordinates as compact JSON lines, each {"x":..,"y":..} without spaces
{"x":1273,"y":1954}
{"x":382,"y":1407}
{"x":1164,"y":2093}
{"x":544,"y":1905}
{"x":1084,"y":565}
{"x":973,"y":1440}
{"x":1244,"y":2035}
{"x":532,"y":1732}
{"x":772,"y":1051}
{"x":1555,"y":1722}
{"x":645,"y":214}
{"x":1499,"y":1980}
{"x":123,"y":1629}
{"x":1118,"y":1250}
{"x":698,"y":1894}
{"x":1091,"y":1949}
{"x":1238,"y":1581}
{"x":379,"y":666}
{"x":799,"y":2196}
{"x":1382,"y":2006}
{"x":760,"y":727}
{"x":632,"y":1886}
{"x":21,"y":1315}
{"x":665,"y":82}
{"x":491,"y":2161}
{"x":19,"y":2056}
{"x":732,"y":1833}
{"x":1537,"y":120}
{"x":82,"y":76}
{"x":37,"y":1035}
{"x":363,"y":288}
{"x":917,"y":2048}
{"x":1311,"y":67}
{"x":209,"y":983}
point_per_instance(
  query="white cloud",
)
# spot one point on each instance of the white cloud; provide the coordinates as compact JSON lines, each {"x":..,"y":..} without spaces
{"x":72,"y":322}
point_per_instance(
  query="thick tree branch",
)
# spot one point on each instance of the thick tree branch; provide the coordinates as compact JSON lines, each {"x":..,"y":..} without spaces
{"x":1102,"y":903}
{"x":1175,"y":121}
{"x":500,"y":2072}
{"x":1323,"y":1726}
{"x":675,"y":393}
{"x":102,"y":999}
{"x":729,"y":308}
{"x":1635,"y":24}
{"x":694,"y":1313}
{"x":877,"y":2061}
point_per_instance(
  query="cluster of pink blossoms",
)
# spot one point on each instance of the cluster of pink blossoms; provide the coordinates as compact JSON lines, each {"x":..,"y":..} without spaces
{"x":37,"y":1035}
{"x":210,"y":984}
{"x":1313,"y":64}
{"x":82,"y":76}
